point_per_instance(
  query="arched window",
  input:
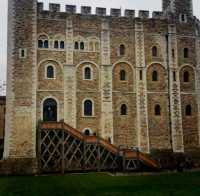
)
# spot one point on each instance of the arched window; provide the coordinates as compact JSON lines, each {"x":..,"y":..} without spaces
{"x":40,"y":43}
{"x":123,"y":109}
{"x":55,"y":44}
{"x":122,"y":50}
{"x":82,"y":46}
{"x":87,"y":132}
{"x":87,"y":73}
{"x":154,"y":51}
{"x":157,"y":110}
{"x":76,"y":46}
{"x":49,"y":110}
{"x":88,"y":107}
{"x":46,"y":44}
{"x":188,"y":110}
{"x":186,"y":76}
{"x":50,"y":71}
{"x":123,"y":75}
{"x":186,"y":53}
{"x":155,"y":76}
{"x":62,"y":44}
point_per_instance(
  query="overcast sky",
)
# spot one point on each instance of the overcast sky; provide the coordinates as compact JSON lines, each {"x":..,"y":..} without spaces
{"x":130,"y":4}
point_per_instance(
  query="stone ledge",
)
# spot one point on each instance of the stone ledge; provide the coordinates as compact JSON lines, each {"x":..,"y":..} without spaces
{"x":20,"y":166}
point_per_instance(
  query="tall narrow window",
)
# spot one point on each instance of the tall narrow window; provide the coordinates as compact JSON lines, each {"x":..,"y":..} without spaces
{"x":87,"y":73}
{"x":122,"y":50}
{"x":155,"y":76}
{"x":188,"y":110}
{"x":82,"y":46}
{"x":157,"y":110}
{"x":173,"y":53}
{"x":186,"y":53}
{"x":141,"y":75}
{"x":55,"y":44}
{"x":46,"y":44}
{"x":174,"y":76}
{"x":50,"y":110}
{"x":76,"y":46}
{"x":122,"y":75}
{"x":22,"y":53}
{"x":62,"y":45}
{"x":50,"y":72}
{"x":123,"y":109}
{"x":186,"y":76}
{"x":88,"y":108}
{"x":154,"y":51}
{"x":40,"y":44}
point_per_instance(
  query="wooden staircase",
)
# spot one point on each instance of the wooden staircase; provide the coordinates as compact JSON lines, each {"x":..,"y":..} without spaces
{"x":63,"y":148}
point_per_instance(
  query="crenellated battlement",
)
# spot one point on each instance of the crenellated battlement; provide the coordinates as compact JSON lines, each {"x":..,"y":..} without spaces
{"x":100,"y":11}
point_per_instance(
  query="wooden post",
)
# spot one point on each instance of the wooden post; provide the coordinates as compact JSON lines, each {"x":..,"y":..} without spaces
{"x":63,"y":153}
{"x":39,"y":149}
{"x":98,"y":156}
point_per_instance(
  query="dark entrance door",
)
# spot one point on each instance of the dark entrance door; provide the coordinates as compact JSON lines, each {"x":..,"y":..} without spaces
{"x":50,"y":110}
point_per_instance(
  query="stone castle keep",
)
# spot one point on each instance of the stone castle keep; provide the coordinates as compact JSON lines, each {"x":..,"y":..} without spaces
{"x":134,"y":81}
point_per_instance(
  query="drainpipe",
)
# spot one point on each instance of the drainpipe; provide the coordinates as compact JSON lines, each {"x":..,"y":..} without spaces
{"x":169,"y":90}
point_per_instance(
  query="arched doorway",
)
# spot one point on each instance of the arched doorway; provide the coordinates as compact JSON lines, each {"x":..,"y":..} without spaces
{"x":50,"y":110}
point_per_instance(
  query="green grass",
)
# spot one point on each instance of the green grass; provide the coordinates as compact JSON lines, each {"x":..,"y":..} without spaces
{"x":187,"y":184}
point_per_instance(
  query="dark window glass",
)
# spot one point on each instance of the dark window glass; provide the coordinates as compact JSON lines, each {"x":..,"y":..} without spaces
{"x":88,"y":108}
{"x":186,"y":53}
{"x":141,"y":78}
{"x":173,"y":53}
{"x":87,"y":73}
{"x":82,"y":46}
{"x":188,"y":110}
{"x":186,"y":76}
{"x":123,"y":109}
{"x":46,"y":44}
{"x":50,"y":72}
{"x":40,"y":44}
{"x":22,"y":53}
{"x":157,"y":110}
{"x":87,"y":132}
{"x":154,"y":51}
{"x":62,"y":44}
{"x":50,"y":110}
{"x":76,"y":46}
{"x":56,"y":44}
{"x":174,"y":76}
{"x":155,"y":76}
{"x":122,"y":75}
{"x":122,"y":50}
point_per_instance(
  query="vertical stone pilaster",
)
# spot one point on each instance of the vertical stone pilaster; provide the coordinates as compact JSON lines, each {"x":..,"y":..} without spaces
{"x":20,"y":134}
{"x":174,"y":94}
{"x":141,"y":90}
{"x":106,"y":84}
{"x":69,"y":78}
{"x":198,"y":80}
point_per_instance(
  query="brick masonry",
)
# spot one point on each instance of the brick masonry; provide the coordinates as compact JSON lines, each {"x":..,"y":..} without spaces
{"x":102,"y":36}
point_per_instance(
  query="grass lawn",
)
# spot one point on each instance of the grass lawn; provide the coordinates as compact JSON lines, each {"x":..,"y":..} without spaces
{"x":92,"y":184}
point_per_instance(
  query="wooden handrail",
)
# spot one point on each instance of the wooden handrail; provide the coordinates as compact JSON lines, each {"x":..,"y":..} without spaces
{"x":127,"y":153}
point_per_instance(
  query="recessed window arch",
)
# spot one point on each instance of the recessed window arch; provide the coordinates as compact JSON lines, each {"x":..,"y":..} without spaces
{"x":82,"y":45}
{"x":50,"y":72}
{"x":56,"y":45}
{"x":188,"y":110}
{"x":87,"y":132}
{"x":50,"y":110}
{"x":154,"y":51}
{"x":43,"y":41}
{"x":186,"y":52}
{"x":186,"y":76}
{"x":154,"y":76}
{"x":62,"y":45}
{"x":88,"y":107}
{"x":122,"y":50}
{"x":124,"y":110}
{"x":76,"y":45}
{"x":157,"y":110}
{"x":122,"y":75}
{"x":87,"y":73}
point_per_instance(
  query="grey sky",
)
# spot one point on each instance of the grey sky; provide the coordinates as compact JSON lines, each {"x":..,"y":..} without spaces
{"x":130,"y":4}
